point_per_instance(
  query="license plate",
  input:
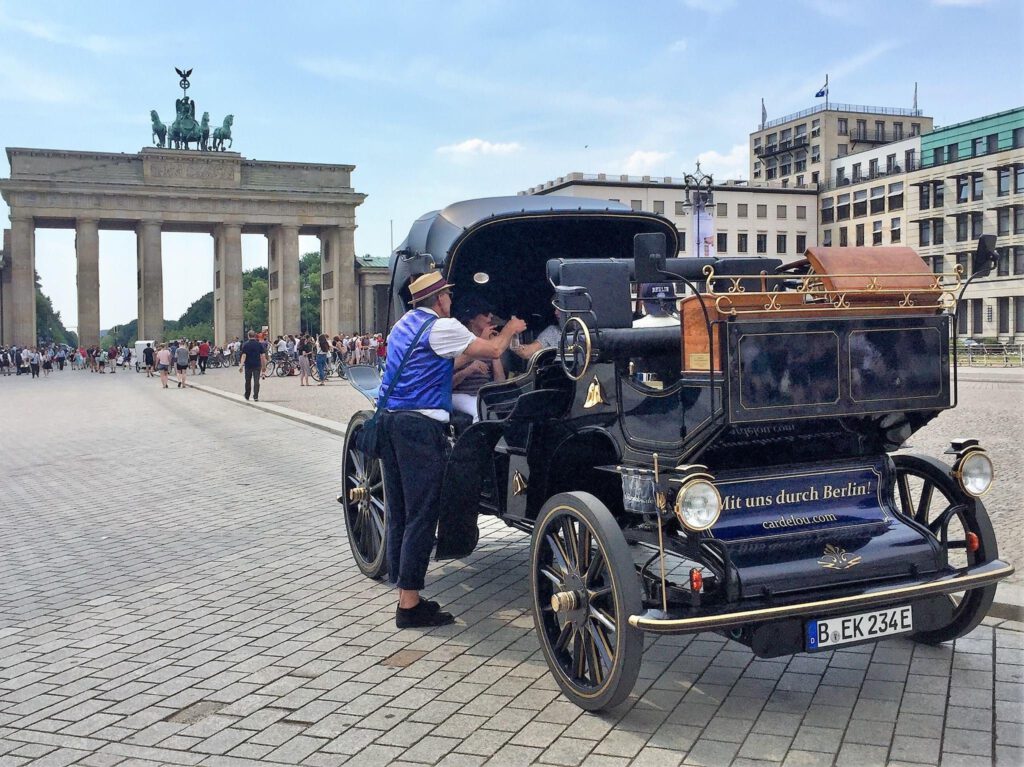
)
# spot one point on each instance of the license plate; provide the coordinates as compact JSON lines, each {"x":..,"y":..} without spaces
{"x":829,"y":632}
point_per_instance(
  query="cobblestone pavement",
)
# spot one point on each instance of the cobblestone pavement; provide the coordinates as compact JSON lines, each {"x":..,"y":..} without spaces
{"x":175,"y":588}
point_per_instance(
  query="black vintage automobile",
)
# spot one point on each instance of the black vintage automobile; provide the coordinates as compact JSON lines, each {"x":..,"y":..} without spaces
{"x":736,"y":471}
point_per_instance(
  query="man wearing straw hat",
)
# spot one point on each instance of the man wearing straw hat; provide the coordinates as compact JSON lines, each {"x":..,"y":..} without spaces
{"x":416,"y":397}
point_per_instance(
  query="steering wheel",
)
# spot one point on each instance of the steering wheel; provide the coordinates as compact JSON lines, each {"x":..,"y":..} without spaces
{"x":574,"y":348}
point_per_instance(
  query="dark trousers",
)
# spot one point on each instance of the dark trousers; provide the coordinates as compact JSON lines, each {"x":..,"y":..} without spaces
{"x":252,"y":382}
{"x":202,"y":363}
{"x":414,"y":454}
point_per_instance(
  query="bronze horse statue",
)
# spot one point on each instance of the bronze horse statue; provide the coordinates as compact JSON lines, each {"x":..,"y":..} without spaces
{"x":159,"y":129}
{"x":204,"y":128}
{"x":223,"y":133}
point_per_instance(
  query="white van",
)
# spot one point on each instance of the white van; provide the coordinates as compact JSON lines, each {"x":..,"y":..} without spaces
{"x":140,"y":359}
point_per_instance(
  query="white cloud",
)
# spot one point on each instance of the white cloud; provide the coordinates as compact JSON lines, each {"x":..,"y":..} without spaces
{"x":474,"y":147}
{"x":679,"y":46}
{"x":732,"y":165}
{"x":60,"y":35}
{"x":642,"y":163}
{"x":21,"y":82}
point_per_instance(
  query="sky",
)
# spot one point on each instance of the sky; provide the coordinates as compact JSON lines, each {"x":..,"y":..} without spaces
{"x":436,"y":102}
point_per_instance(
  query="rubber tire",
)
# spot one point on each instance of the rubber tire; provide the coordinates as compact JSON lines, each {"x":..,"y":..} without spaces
{"x":974,"y":606}
{"x":626,"y":594}
{"x":376,"y":568}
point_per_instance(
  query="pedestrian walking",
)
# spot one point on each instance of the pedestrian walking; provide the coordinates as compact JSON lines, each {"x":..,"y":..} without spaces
{"x":323,"y":348}
{"x":34,"y":360}
{"x":181,"y":361}
{"x":204,"y":355}
{"x":163,"y":363}
{"x":416,"y":399}
{"x":305,"y":352}
{"x":252,"y":361}
{"x":148,"y":356}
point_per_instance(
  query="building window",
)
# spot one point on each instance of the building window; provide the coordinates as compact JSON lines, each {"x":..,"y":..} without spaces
{"x":842,"y":126}
{"x":1003,"y":311}
{"x":1003,"y":221}
{"x":762,"y":211}
{"x":762,"y":242}
{"x":842,"y":150}
{"x":938,"y":263}
{"x":860,"y":203}
{"x":961,"y":189}
{"x":682,"y":241}
{"x":876,"y":233}
{"x":924,"y":197}
{"x":1018,"y":314}
{"x":992,"y":143}
{"x":1018,"y":219}
{"x":780,"y":243}
{"x":841,"y":177}
{"x":801,"y":243}
{"x":938,"y":233}
{"x":880,"y":130}
{"x":843,"y":207}
{"x":1002,"y":182}
{"x":924,"y":233}
{"x":800,"y":180}
{"x":860,"y":235}
{"x":890,"y":163}
{"x":741,"y":210}
{"x":785,"y":169}
{"x":741,"y":242}
{"x":801,"y":212}
{"x":723,"y":210}
{"x":800,"y":165}
{"x":895,"y":230}
{"x":1018,"y":179}
{"x":877,"y":203}
{"x":952,"y":153}
{"x":961,"y":322}
{"x":977,"y":313}
{"x":827,"y":210}
{"x":814,"y":177}
{"x":862,"y":129}
{"x":961,"y":262}
{"x":659,"y":206}
{"x":780,"y":211}
{"x":816,"y":153}
{"x":680,"y":208}
{"x":977,"y":186}
{"x":978,"y":147}
{"x":856,"y":172}
{"x":939,"y":193}
{"x":1003,"y":263}
{"x":1018,"y":138}
{"x":977,"y":223}
{"x":938,"y":154}
{"x":873,"y":168}
{"x":771,"y":173}
{"x":844,"y":240}
{"x":961,"y":227}
{"x":636,"y":204}
{"x":722,"y":245}
{"x":897,"y":131}
{"x":915,"y":129}
{"x":909,"y":160}
{"x":826,"y":238}
{"x":815,"y":127}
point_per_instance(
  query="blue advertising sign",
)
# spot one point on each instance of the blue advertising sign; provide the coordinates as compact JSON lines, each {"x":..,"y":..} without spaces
{"x":783,"y":504}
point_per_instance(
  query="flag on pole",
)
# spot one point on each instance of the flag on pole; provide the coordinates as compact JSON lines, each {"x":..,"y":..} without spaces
{"x":915,"y":97}
{"x":764,"y":114}
{"x":823,"y":91}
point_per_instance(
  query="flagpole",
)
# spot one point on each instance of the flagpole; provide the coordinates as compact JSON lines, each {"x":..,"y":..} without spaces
{"x":826,"y":91}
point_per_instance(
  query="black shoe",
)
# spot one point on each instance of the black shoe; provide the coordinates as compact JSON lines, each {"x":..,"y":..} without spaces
{"x":424,"y":615}
{"x":255,"y":399}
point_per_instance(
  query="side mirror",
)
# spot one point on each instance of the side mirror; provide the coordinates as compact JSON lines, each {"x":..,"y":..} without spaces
{"x":986,"y":258}
{"x":649,"y":257}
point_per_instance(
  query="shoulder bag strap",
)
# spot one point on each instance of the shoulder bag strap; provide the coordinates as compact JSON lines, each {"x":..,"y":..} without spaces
{"x":405,"y":358}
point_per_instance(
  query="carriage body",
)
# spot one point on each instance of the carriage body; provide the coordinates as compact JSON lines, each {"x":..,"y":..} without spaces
{"x":785,"y":391}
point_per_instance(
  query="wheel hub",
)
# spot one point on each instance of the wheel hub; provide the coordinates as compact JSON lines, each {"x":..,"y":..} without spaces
{"x":358,"y":494}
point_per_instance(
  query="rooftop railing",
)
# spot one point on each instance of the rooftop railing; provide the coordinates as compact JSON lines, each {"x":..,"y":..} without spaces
{"x":834,"y":107}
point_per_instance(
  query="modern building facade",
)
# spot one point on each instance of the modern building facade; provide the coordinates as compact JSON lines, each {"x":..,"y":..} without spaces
{"x":796,"y":150}
{"x":748,"y":219}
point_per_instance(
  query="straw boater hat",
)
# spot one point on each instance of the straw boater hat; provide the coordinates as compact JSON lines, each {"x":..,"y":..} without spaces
{"x":427,"y":285}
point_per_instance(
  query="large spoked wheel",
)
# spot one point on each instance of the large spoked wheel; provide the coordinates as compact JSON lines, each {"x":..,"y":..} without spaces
{"x":585,"y":587}
{"x":363,"y":500}
{"x":926,"y":493}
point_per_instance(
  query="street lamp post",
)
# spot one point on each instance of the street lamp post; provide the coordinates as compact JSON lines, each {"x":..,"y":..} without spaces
{"x":700,"y":196}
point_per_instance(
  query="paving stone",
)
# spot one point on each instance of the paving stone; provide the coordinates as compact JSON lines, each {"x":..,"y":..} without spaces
{"x":910,"y":749}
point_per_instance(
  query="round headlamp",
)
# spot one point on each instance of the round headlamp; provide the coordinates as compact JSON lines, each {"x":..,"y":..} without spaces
{"x":698,"y":505}
{"x":974,"y":472}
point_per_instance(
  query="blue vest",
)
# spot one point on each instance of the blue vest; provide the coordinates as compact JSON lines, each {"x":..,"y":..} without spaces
{"x":426,"y":381}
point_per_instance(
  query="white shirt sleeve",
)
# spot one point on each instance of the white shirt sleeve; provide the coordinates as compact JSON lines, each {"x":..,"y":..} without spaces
{"x":449,"y":338}
{"x":550,"y":337}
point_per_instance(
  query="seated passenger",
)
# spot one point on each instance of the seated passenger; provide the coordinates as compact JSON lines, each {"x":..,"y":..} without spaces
{"x":548,"y":338}
{"x":659,"y":305}
{"x":471,"y":374}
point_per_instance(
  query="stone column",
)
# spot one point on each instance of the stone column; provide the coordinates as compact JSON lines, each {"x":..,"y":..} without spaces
{"x":274,"y":321}
{"x":87,"y":253}
{"x":23,"y":281}
{"x":339,"y":293}
{"x":289,"y":257}
{"x":151,"y":281}
{"x":227,"y":286}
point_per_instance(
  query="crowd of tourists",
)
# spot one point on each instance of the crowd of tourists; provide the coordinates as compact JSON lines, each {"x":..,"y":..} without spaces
{"x":40,"y":361}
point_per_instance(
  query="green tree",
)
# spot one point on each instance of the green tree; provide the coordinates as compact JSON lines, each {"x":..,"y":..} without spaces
{"x":49,"y":326}
{"x":254,"y":303}
{"x":309,"y":292}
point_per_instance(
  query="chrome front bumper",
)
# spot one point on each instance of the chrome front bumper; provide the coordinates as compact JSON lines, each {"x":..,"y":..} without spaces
{"x":729,"y":617}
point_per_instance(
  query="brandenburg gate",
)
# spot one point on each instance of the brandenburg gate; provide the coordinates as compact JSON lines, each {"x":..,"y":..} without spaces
{"x":182,"y":190}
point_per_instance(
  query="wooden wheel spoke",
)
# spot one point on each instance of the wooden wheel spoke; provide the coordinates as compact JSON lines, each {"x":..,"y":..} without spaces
{"x":594,"y":567}
{"x":558,"y":554}
{"x":564,"y":636}
{"x":935,"y":526}
{"x":602,"y":617}
{"x":602,"y":645}
{"x":378,"y":523}
{"x":358,"y":463}
{"x":552,"y":576}
{"x":596,"y":672}
{"x":921,"y":515}
{"x":572,"y":544}
{"x":906,"y":502}
{"x":579,"y":659}
{"x":583,"y":546}
{"x":596,"y":594}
